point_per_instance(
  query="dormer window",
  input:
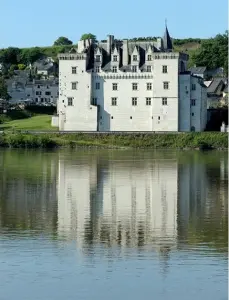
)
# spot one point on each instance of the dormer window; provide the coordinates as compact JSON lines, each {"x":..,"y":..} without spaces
{"x":97,"y":69}
{"x":148,"y":69}
{"x":115,"y":57}
{"x":98,"y":58}
{"x":114,"y":69}
{"x":149,"y":57}
{"x":135,"y":58}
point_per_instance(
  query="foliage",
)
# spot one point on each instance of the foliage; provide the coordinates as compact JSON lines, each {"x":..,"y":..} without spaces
{"x":3,"y":89}
{"x":87,"y":36}
{"x":21,"y":67}
{"x":213,"y":52}
{"x":137,"y":140}
{"x":9,"y":55}
{"x":61,"y":41}
{"x":37,"y":109}
{"x":181,"y":42}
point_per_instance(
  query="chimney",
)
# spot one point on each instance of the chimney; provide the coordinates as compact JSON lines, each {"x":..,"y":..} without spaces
{"x":125,"y":53}
{"x":110,"y":41}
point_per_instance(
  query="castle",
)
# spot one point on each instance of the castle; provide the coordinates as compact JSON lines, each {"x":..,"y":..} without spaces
{"x":123,"y":85}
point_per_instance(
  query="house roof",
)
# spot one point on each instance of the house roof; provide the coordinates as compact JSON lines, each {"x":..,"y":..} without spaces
{"x":226,"y":89}
{"x":214,"y":85}
{"x":198,"y":70}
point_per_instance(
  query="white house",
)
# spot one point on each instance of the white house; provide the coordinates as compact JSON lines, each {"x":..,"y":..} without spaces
{"x":122,"y":85}
{"x":43,"y":91}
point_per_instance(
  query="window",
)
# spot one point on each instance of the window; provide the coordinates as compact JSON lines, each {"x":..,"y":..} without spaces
{"x":164,"y":101}
{"x":47,"y":87}
{"x":97,"y":58}
{"x":131,"y":117}
{"x":193,"y":87}
{"x":134,"y":101}
{"x":38,"y":93}
{"x":166,"y":85}
{"x":134,"y":86}
{"x":134,"y":69}
{"x":149,"y":86}
{"x":94,"y":101}
{"x":114,"y":69}
{"x":47,"y":93}
{"x":148,"y":68}
{"x":193,"y":102}
{"x":114,"y":86}
{"x":74,"y":85}
{"x":164,"y":69}
{"x":115,"y":58}
{"x":70,"y":101}
{"x":97,"y":69}
{"x":38,"y":86}
{"x":159,"y":118}
{"x":192,"y":114}
{"x":36,"y":99}
{"x":148,"y":101}
{"x":97,"y":85}
{"x":135,"y":58}
{"x":149,"y":57}
{"x":74,"y":70}
{"x":113,"y":101}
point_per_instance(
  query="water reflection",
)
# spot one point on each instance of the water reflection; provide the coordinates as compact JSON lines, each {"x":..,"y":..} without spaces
{"x":148,"y":201}
{"x":118,"y":199}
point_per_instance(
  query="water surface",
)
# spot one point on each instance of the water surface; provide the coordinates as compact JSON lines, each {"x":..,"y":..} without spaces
{"x":113,"y":225}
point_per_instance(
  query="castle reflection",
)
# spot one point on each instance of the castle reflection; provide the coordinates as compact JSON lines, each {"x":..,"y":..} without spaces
{"x":148,"y":202}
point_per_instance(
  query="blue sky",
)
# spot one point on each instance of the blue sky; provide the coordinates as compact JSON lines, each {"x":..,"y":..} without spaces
{"x":25,"y":23}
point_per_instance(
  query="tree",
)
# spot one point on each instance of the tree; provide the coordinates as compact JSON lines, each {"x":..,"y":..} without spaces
{"x":21,"y":67}
{"x":3,"y":89}
{"x":87,"y":36}
{"x":10,"y":55}
{"x":30,"y":55}
{"x":213,"y":53}
{"x":62,"y":41}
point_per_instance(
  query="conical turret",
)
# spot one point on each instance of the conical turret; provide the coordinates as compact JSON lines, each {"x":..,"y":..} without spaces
{"x":167,"y":41}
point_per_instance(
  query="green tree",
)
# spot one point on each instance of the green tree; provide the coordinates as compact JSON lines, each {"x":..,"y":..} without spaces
{"x":62,"y":41}
{"x":86,"y":36}
{"x":213,"y":53}
{"x":21,"y":67}
{"x":30,"y":55}
{"x":10,"y":55}
{"x":3,"y":89}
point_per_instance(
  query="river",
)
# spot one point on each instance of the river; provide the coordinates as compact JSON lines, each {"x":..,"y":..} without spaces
{"x":105,"y":224}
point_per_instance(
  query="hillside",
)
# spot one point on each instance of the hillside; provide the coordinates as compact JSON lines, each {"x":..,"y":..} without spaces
{"x":212,"y":53}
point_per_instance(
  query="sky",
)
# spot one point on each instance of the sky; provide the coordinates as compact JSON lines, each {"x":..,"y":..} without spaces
{"x":26,"y":23}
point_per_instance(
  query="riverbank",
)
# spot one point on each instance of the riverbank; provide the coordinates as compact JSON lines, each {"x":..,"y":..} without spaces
{"x":202,"y":140}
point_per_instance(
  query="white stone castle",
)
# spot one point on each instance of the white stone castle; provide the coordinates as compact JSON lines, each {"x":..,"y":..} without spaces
{"x":122,"y":85}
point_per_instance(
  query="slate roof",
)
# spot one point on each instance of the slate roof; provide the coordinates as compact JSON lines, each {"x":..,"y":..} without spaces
{"x":214,"y":85}
{"x":167,"y":42}
{"x":198,"y":70}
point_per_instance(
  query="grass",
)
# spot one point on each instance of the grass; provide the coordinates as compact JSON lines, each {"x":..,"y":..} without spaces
{"x":38,"y":122}
{"x":204,"y":140}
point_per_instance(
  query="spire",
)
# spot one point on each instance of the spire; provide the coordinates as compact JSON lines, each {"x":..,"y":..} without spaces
{"x":167,"y":42}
